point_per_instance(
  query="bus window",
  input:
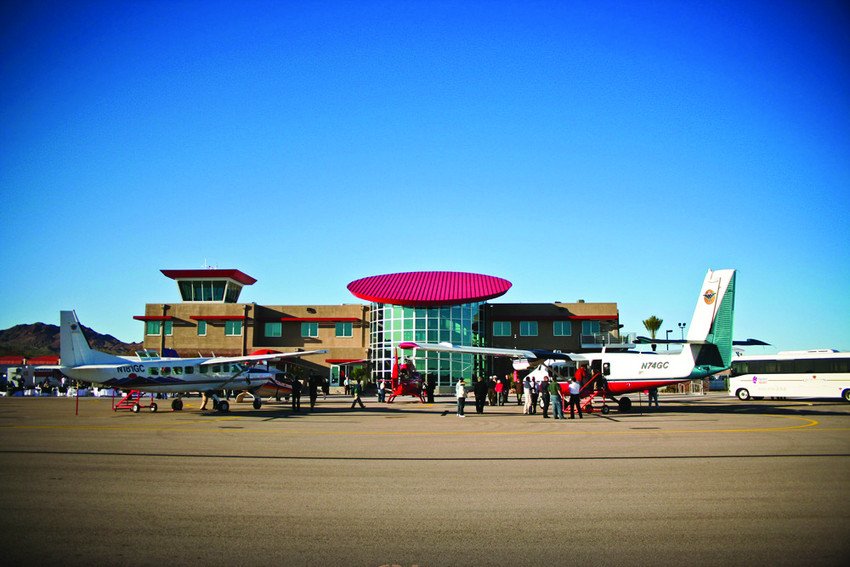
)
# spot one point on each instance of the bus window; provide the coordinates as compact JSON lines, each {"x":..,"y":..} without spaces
{"x":739,"y":368}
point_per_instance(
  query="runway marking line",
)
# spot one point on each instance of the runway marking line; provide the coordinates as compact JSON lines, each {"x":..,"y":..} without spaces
{"x":175,"y":427}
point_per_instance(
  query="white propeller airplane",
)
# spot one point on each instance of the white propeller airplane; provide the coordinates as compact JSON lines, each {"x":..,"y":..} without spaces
{"x":150,"y":373}
{"x":707,"y":351}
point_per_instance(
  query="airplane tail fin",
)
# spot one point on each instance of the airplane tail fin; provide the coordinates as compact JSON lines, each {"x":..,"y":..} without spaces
{"x":74,"y":349}
{"x":711,"y":324}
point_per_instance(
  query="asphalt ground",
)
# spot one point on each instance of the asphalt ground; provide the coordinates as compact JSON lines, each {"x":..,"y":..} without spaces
{"x":704,"y":480}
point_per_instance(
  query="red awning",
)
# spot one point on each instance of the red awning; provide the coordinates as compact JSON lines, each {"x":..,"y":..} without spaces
{"x":217,"y":317}
{"x":153,"y":317}
{"x":321,"y":319}
{"x":48,"y":360}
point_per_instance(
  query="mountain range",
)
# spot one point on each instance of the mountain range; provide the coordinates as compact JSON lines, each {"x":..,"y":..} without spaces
{"x":40,"y":339}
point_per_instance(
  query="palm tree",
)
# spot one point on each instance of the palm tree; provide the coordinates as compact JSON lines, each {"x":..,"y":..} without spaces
{"x":652,"y":325}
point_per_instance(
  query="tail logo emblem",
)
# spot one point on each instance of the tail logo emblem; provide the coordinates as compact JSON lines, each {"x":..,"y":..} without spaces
{"x":709,"y":296}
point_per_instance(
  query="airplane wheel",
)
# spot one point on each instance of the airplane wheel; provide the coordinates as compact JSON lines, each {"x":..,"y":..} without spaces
{"x":136,"y":408}
{"x":258,"y":403}
{"x":153,"y":408}
{"x":223,"y":406}
{"x":606,"y":410}
{"x":176,"y":404}
{"x":743,"y":394}
{"x":624,"y":405}
{"x":846,"y":395}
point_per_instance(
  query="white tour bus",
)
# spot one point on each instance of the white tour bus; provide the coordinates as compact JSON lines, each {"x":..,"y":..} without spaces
{"x":792,"y":374}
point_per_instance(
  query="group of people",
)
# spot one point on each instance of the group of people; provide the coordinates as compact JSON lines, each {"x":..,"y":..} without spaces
{"x":549,"y":392}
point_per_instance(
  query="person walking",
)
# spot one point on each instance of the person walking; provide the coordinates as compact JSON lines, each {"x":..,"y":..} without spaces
{"x":313,"y":389}
{"x":491,"y":390}
{"x":356,"y":390}
{"x":517,"y":389}
{"x":479,"y":388}
{"x":526,"y":395}
{"x":500,"y":386}
{"x":545,"y":396}
{"x":557,"y":398}
{"x":535,"y":395}
{"x":382,"y":390}
{"x":653,"y":396}
{"x":575,"y":399}
{"x":460,"y":393}
{"x":296,"y":395}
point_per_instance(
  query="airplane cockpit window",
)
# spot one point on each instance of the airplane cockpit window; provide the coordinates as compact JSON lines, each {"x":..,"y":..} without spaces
{"x":147,"y":354}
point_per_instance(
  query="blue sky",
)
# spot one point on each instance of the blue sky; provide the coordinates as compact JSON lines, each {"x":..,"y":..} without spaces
{"x":608,"y":151}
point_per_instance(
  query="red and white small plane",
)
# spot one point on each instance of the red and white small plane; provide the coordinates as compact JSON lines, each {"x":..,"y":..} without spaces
{"x":148,"y":372}
{"x":707,"y":351}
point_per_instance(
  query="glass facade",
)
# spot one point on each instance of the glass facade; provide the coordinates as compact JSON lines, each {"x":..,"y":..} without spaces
{"x":458,"y":324}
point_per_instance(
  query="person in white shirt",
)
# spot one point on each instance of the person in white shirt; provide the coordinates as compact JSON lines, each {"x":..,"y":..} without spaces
{"x":575,"y":400}
{"x":460,"y":392}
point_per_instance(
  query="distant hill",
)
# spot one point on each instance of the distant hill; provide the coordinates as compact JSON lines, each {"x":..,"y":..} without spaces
{"x":40,"y":339}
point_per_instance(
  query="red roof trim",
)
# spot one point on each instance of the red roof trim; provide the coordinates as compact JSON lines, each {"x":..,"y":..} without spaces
{"x":429,"y":289}
{"x":12,"y":360}
{"x":322,"y":319}
{"x":217,"y":317}
{"x":153,"y":317}
{"x":234,"y":275}
{"x":45,"y":360}
{"x":556,"y":318}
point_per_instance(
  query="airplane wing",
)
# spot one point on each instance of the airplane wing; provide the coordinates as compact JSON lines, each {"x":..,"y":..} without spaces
{"x":647,"y":340}
{"x":532,"y":354}
{"x":260,"y":357}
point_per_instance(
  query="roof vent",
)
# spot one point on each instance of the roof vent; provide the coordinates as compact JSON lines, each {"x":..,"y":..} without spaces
{"x":581,"y":301}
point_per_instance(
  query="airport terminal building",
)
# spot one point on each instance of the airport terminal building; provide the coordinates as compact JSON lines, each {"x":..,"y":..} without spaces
{"x":428,"y":307}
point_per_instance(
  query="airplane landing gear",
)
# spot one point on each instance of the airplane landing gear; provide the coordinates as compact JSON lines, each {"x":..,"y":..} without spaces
{"x":223,"y":406}
{"x":258,"y":403}
{"x":624,"y":404}
{"x":176,"y":404}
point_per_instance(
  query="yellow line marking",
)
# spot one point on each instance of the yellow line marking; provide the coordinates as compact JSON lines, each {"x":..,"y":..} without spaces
{"x":808,"y":423}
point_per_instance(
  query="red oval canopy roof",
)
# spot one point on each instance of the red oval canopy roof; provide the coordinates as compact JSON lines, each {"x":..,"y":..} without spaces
{"x":429,"y":289}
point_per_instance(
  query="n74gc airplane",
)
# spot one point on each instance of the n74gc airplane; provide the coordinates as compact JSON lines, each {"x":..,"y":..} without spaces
{"x":707,"y":351}
{"x":152,"y":374}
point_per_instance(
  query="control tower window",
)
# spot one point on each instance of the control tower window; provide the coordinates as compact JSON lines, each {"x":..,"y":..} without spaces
{"x":233,"y":291}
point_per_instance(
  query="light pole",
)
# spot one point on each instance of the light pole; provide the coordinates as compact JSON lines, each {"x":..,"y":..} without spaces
{"x":668,"y":331}
{"x":682,"y":328}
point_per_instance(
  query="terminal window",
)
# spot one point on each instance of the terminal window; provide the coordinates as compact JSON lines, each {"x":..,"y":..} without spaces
{"x":528,"y":328}
{"x":345,"y":329}
{"x":232,"y":328}
{"x":310,"y":330}
{"x":202,"y":328}
{"x":274,"y":329}
{"x":562,"y":328}
{"x":153,"y":328}
{"x":501,"y":328}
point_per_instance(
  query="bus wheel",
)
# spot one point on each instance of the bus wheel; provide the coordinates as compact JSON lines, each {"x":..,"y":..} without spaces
{"x":743,"y":394}
{"x":846,"y":395}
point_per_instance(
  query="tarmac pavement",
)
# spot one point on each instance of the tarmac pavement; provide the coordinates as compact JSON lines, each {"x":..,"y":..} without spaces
{"x":704,"y":480}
